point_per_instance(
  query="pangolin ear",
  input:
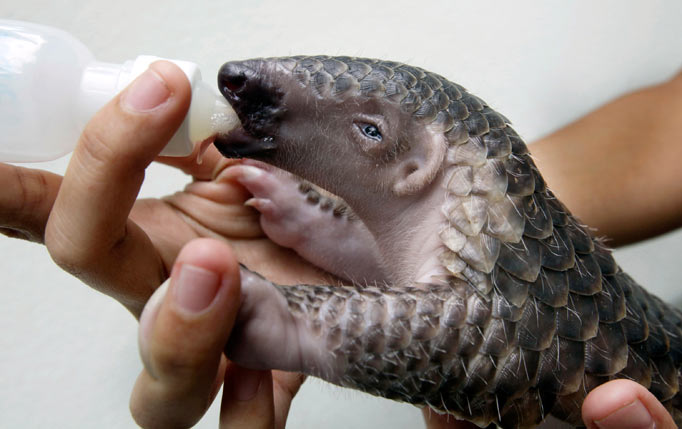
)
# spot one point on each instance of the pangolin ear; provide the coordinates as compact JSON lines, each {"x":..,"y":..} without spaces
{"x":420,"y":165}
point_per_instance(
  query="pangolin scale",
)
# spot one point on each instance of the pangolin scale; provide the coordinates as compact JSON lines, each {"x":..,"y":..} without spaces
{"x":527,"y":312}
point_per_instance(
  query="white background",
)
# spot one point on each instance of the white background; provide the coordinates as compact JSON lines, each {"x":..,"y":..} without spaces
{"x":68,"y":356}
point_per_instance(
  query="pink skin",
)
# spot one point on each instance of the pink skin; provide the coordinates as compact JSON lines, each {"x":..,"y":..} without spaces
{"x":341,"y":245}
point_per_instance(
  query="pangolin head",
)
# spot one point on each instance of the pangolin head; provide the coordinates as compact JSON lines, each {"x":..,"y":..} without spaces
{"x":378,"y":114}
{"x":395,"y":131}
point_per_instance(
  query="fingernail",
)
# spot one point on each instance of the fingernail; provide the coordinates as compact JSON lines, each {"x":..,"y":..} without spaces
{"x":195,"y":288}
{"x":246,"y":383}
{"x":632,"y":416}
{"x":146,"y":92}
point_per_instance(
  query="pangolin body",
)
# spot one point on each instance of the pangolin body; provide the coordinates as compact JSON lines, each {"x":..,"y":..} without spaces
{"x":511,"y":312}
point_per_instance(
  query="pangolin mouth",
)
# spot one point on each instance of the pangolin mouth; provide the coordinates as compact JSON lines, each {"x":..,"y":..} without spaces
{"x":239,"y":143}
{"x":258,"y":104}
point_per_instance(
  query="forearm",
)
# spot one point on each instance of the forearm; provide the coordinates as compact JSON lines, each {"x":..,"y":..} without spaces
{"x":618,"y":168}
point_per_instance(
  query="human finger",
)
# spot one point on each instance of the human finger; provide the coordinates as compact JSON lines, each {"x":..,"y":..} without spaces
{"x":88,"y":232}
{"x":26,"y":201}
{"x":285,"y":386}
{"x":257,"y":399}
{"x":203,"y":164}
{"x":183,"y":331}
{"x":624,"y":404}
{"x":247,"y":399}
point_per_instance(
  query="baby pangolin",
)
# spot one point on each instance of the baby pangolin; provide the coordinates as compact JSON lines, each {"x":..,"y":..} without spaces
{"x":488,"y":300}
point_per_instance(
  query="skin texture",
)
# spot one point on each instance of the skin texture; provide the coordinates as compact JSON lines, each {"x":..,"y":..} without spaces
{"x":28,"y":197}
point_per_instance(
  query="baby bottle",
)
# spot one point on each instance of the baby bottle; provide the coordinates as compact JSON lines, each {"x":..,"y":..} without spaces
{"x":51,"y":85}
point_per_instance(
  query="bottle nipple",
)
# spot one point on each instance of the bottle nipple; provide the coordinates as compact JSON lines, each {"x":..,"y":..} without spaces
{"x":209,"y":114}
{"x":224,"y":118}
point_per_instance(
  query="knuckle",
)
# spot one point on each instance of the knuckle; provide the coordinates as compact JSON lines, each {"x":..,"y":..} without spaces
{"x":155,"y":405}
{"x":70,"y":258}
{"x":26,"y":203}
{"x":70,"y":252}
{"x":96,"y":148}
{"x":113,"y":148}
{"x":30,"y":190}
{"x":116,"y":137}
{"x":172,"y":363}
{"x":22,"y":199}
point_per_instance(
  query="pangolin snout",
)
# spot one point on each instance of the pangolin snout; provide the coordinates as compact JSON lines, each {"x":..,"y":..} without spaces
{"x":249,"y":86}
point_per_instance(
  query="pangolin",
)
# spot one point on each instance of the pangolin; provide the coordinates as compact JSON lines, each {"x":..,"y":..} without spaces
{"x":470,"y":287}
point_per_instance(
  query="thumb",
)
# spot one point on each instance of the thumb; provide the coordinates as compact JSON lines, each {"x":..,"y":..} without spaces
{"x":183,"y":331}
{"x":624,"y":404}
{"x":88,"y":232}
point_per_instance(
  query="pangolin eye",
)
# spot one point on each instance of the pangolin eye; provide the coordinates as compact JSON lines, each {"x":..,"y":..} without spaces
{"x":371,"y":131}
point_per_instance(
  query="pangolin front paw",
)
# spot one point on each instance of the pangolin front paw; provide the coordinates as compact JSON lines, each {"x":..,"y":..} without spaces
{"x":318,"y":226}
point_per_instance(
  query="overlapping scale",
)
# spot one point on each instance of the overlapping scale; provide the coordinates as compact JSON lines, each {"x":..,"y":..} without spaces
{"x":535,"y":312}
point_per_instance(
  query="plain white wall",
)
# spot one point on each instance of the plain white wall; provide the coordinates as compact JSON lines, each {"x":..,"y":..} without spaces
{"x":68,"y":355}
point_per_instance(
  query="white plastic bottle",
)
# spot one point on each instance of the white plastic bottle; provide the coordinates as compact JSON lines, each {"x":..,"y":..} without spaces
{"x":51,"y":85}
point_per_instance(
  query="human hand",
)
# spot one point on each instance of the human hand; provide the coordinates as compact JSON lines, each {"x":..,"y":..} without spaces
{"x":183,"y":330}
{"x":618,"y":404}
{"x":93,"y":226}
{"x":91,"y":222}
{"x":624,"y":404}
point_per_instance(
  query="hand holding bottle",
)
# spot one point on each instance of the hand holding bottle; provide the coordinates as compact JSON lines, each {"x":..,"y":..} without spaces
{"x":93,"y":227}
{"x":51,"y":85}
{"x":90,"y":220}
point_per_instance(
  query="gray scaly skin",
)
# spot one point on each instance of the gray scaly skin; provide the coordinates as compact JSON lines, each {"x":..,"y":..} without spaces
{"x":498,"y":306}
